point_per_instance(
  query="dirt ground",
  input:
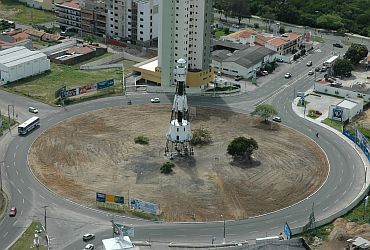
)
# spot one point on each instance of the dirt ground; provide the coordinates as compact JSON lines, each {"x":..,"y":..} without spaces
{"x":95,"y":152}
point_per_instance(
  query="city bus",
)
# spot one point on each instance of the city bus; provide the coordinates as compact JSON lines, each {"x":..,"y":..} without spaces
{"x":330,"y":61}
{"x":28,"y":125}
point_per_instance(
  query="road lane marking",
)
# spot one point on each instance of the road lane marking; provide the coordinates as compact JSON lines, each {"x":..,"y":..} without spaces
{"x":22,"y":180}
{"x":14,"y":163}
{"x":180,"y":235}
{"x":16,"y":147}
{"x":16,"y":171}
{"x":29,"y":189}
{"x":345,"y":191}
{"x":15,"y":153}
{"x":19,"y":191}
{"x":23,"y":200}
{"x":21,"y":212}
{"x":325,"y":209}
{"x":42,"y":196}
{"x":205,"y":235}
{"x":14,"y":223}
{"x":5,"y":234}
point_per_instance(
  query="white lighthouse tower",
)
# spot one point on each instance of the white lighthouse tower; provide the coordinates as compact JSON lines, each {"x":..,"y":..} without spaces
{"x":179,"y":132}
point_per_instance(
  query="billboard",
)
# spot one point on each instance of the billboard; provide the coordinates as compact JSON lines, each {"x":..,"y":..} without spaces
{"x":85,"y":89}
{"x":145,"y":206}
{"x":88,"y":88}
{"x":70,"y":92}
{"x":337,"y":114}
{"x":101,"y":197}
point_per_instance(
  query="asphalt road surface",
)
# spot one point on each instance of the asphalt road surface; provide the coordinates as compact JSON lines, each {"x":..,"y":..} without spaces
{"x":67,"y":221}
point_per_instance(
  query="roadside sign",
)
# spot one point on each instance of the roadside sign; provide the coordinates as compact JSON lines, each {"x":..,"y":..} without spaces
{"x":287,"y":230}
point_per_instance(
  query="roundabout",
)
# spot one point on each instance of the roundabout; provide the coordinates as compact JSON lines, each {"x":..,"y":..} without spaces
{"x":99,"y":155}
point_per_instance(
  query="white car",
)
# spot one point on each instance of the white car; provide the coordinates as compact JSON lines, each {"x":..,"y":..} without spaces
{"x":276,"y":119}
{"x":87,"y":237}
{"x":310,"y":72}
{"x":288,"y":75}
{"x":89,"y":247}
{"x":155,"y":100}
{"x":33,"y":110}
{"x":309,"y":63}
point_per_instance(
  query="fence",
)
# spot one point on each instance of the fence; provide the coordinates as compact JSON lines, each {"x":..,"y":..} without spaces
{"x":363,"y":144}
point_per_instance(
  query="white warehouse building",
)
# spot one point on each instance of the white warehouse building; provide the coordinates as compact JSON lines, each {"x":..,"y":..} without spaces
{"x":346,"y":110}
{"x":19,"y":62}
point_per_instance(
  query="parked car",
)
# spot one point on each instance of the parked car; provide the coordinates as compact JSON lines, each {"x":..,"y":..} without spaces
{"x":89,"y":247}
{"x":338,"y":45}
{"x":238,"y":78}
{"x":309,"y":63}
{"x":323,"y":69}
{"x":13,"y":212}
{"x":310,"y":72}
{"x":155,"y":100}
{"x":264,"y":73}
{"x":317,"y":69}
{"x":288,"y":75}
{"x":87,"y":237}
{"x":33,"y":110}
{"x":318,"y":112}
{"x":276,"y":119}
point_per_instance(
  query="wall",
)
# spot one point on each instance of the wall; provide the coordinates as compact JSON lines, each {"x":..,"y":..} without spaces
{"x":340,"y":92}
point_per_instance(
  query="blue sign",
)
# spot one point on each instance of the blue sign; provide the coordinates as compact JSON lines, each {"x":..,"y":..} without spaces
{"x":337,"y":114}
{"x":105,"y":84}
{"x":100,"y":197}
{"x":287,"y":231}
{"x":145,"y":206}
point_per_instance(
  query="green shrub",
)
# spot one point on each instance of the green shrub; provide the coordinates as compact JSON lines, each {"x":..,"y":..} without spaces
{"x":167,"y":167}
{"x":201,"y":136}
{"x":141,"y":139}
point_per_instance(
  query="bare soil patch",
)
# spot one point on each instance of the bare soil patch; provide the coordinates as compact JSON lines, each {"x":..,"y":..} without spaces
{"x":95,"y":152}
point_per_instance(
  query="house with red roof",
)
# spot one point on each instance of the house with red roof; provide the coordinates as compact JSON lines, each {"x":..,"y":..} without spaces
{"x":243,"y":36}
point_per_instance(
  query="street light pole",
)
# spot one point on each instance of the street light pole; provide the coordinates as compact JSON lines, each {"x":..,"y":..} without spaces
{"x":44,"y":207}
{"x":224,"y":240}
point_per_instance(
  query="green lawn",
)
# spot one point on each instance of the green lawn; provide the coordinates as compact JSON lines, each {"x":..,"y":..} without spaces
{"x":219,"y":33}
{"x":334,"y":124}
{"x":42,"y":87}
{"x":317,"y":39}
{"x":26,"y":241}
{"x":18,"y":12}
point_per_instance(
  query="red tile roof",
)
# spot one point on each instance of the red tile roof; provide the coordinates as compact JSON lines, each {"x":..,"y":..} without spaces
{"x":245,"y":33}
{"x":79,"y":50}
{"x":277,"y":41}
{"x":20,"y":36}
{"x":291,"y":36}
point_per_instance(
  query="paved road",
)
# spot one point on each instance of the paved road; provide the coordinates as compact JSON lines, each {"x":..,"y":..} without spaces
{"x":67,"y":221}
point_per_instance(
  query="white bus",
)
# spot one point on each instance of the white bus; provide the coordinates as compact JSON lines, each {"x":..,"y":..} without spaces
{"x":28,"y":125}
{"x":330,"y":61}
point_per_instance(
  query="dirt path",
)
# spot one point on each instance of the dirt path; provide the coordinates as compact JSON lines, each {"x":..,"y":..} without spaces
{"x":95,"y":152}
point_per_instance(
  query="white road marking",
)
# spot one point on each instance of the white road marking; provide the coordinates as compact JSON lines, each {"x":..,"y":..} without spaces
{"x":205,"y":235}
{"x":14,"y":154}
{"x":180,"y":235}
{"x":253,"y":232}
{"x":5,"y":234}
{"x":7,"y":166}
{"x":42,"y":196}
{"x":23,"y":200}
{"x":345,"y":191}
{"x":29,"y":188}
{"x":156,"y":228}
{"x":325,"y":209}
{"x":16,"y":171}
{"x":14,"y":163}
{"x":19,"y":191}
{"x":336,"y":200}
{"x":14,"y":223}
{"x":293,"y":222}
{"x":272,"y":228}
{"x":21,"y":212}
{"x":22,"y":180}
{"x":155,"y":234}
{"x":16,"y":147}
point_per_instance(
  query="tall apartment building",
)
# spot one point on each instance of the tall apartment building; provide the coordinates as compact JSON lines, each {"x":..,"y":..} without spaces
{"x":185,"y":32}
{"x":93,"y":17}
{"x":69,"y":15}
{"x":133,"y":21}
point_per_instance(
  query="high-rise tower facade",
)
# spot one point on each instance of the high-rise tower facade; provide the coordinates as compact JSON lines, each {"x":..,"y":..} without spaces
{"x":184,"y":32}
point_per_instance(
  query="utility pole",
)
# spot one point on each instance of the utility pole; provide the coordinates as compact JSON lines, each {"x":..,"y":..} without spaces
{"x":9,"y":105}
{"x":44,"y":207}
{"x":224,"y":240}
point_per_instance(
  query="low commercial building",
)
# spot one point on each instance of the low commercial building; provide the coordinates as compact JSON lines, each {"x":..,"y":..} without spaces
{"x":19,"y":62}
{"x":346,"y":110}
{"x":244,"y":63}
{"x":244,"y":36}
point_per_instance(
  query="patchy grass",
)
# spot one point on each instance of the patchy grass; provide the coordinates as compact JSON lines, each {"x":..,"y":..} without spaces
{"x":317,"y":39}
{"x":5,"y":124}
{"x":26,"y":240}
{"x":42,"y":87}
{"x":18,"y":12}
{"x":334,"y":124}
{"x":128,"y":211}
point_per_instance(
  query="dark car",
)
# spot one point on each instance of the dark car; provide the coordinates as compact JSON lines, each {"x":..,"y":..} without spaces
{"x":13,"y":212}
{"x":318,"y":112}
{"x":338,"y":45}
{"x":317,"y":69}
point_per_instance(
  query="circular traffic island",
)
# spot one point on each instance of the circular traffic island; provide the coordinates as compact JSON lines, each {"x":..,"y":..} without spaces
{"x":96,"y":152}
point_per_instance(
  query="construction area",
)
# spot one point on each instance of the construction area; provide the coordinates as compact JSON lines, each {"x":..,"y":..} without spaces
{"x":96,"y":152}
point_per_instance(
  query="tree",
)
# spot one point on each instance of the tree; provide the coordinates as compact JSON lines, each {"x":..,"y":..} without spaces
{"x":330,"y":21}
{"x":265,"y":111}
{"x":356,"y":53}
{"x":241,"y":148}
{"x":342,"y":67}
{"x":167,"y":167}
{"x":201,"y":136}
{"x":240,"y":9}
